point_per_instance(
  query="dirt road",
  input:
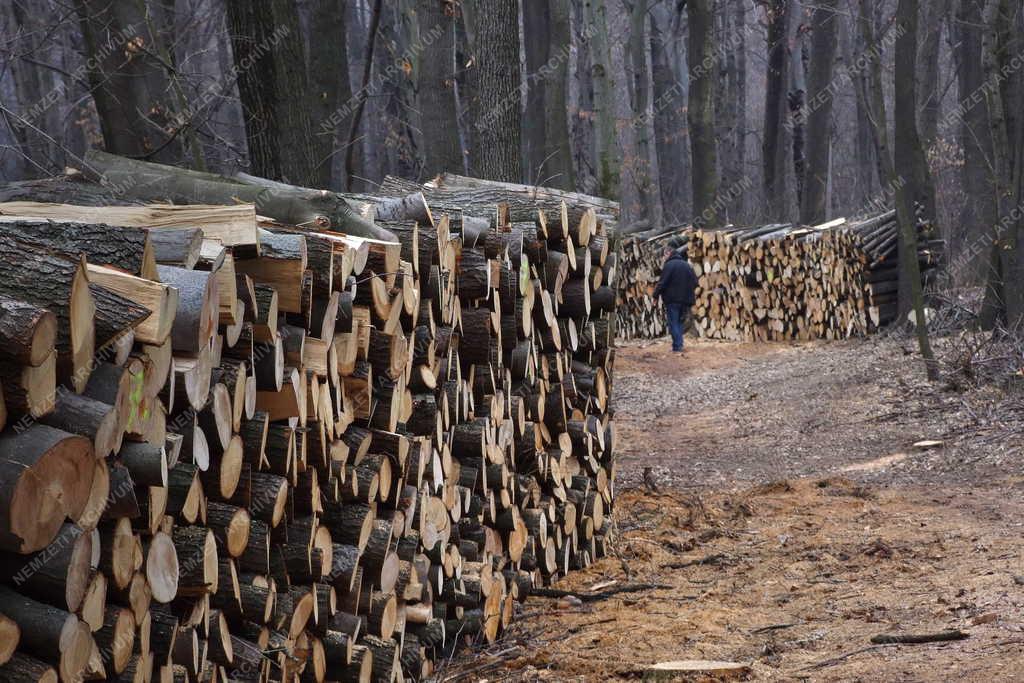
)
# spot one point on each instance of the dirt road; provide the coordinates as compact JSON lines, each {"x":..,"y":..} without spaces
{"x":793,"y":521}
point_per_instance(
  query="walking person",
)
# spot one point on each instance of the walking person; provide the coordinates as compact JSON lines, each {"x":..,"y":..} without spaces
{"x":676,"y":289}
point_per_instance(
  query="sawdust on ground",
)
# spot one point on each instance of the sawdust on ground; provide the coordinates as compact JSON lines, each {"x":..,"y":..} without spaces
{"x":793,"y":520}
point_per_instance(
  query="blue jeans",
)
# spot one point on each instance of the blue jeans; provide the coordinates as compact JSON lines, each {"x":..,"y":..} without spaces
{"x":676,"y":314}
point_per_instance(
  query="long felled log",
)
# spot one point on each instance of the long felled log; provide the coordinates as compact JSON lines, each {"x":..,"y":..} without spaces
{"x":295,"y":206}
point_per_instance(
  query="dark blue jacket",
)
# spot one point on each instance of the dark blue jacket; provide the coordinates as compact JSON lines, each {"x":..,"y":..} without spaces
{"x":678,"y":281}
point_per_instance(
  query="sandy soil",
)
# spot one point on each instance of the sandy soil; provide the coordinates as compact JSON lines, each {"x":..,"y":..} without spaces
{"x":793,"y":520}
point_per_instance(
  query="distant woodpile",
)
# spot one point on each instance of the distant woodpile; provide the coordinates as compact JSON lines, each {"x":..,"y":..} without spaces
{"x":286,"y":447}
{"x":774,"y":282}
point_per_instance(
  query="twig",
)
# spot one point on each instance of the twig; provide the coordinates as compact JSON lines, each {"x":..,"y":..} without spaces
{"x":914,"y":639}
{"x":836,"y":660}
{"x":776,"y":627}
{"x":716,"y":559}
{"x":599,"y":595}
{"x":579,"y":627}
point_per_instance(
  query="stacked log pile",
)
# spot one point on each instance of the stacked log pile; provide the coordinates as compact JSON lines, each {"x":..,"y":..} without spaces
{"x":775,"y":282}
{"x":241,"y":449}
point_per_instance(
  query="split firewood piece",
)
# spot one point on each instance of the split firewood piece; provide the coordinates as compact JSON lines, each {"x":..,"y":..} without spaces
{"x":45,"y":475}
{"x":126,"y":248}
{"x":230,"y":526}
{"x":281,"y":264}
{"x":27,"y":332}
{"x":146,"y":462}
{"x":160,"y":299}
{"x":29,"y":392}
{"x":49,"y":633}
{"x":197,"y":316}
{"x":197,"y":561}
{"x":185,"y":497}
{"x":96,"y":420}
{"x":221,"y":479}
{"x":115,"y":315}
{"x":57,"y":575}
{"x":116,"y":638}
{"x":62,"y":286}
{"x":217,"y":417}
{"x":10,"y":635}
{"x":191,"y":382}
{"x":265,"y":318}
{"x":176,"y":246}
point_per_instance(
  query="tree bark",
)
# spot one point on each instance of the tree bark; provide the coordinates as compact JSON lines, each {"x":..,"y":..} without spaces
{"x":701,"y":113}
{"x":670,"y":128}
{"x":272,"y":84}
{"x":776,"y":134}
{"x":435,"y":88}
{"x":978,"y":213}
{"x":130,"y":87}
{"x":601,"y":73}
{"x":557,"y":149}
{"x":936,"y":12}
{"x":330,"y":86}
{"x":907,"y":149}
{"x":1004,"y":301}
{"x":813,"y":207}
{"x":642,"y":171}
{"x":496,"y":96}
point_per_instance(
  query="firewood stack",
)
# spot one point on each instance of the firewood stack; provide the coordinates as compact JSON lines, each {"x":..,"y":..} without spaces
{"x":237,"y":449}
{"x":775,"y":282}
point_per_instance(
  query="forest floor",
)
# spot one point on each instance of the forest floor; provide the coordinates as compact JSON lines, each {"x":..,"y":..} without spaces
{"x":793,"y":520}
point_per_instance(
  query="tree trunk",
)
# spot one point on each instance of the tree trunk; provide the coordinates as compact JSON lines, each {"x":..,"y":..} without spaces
{"x":701,"y":113}
{"x":605,"y":138}
{"x":584,"y":145}
{"x":776,"y":133}
{"x":537,"y":49}
{"x":435,"y":88}
{"x":905,"y":153}
{"x":670,"y":131}
{"x":285,"y":203}
{"x":558,"y":168}
{"x":1004,"y":300}
{"x":495,"y":100}
{"x":909,"y":157}
{"x":813,"y":208}
{"x":797,"y":98}
{"x":931,"y":92}
{"x":642,"y":169}
{"x":130,"y":87}
{"x":978,"y":213}
{"x":268,"y":50}
{"x":331,"y":87}
{"x":738,"y":97}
